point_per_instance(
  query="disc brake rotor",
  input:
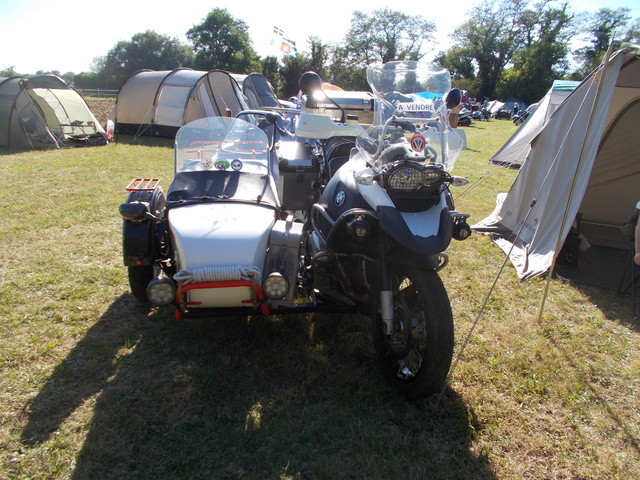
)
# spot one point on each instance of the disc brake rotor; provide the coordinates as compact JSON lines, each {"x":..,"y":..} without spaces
{"x":399,"y":342}
{"x":409,"y":330}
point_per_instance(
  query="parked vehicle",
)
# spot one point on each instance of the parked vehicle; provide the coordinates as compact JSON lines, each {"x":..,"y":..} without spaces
{"x":482,"y":114}
{"x":503,"y":114}
{"x":262,"y":220}
{"x":523,"y":115}
{"x":464,"y":118}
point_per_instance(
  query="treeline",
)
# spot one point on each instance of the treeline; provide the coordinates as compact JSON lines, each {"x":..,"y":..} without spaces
{"x":503,"y":49}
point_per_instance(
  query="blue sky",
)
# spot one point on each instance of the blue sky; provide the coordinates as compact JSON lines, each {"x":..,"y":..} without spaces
{"x":46,"y":35}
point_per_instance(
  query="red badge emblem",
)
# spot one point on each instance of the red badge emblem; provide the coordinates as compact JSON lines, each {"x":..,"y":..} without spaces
{"x":418,"y":142}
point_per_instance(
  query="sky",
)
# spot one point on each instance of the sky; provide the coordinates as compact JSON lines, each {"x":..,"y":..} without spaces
{"x":67,"y":36}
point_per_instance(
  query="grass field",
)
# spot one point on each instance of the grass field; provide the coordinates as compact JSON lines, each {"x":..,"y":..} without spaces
{"x":95,"y":386}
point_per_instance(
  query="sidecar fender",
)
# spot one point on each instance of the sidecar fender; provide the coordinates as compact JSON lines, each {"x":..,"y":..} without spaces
{"x":139,"y":234}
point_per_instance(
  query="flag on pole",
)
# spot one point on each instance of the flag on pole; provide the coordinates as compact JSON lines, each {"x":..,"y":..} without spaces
{"x":282,"y":43}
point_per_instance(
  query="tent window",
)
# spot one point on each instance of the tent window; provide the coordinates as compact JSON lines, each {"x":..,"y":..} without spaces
{"x":35,"y":130}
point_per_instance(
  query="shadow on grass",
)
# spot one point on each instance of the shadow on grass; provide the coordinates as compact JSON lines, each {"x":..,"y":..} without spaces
{"x":253,"y":398}
{"x":617,"y":309}
{"x":615,"y":306}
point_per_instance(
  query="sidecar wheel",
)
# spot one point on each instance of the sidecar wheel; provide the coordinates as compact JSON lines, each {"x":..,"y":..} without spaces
{"x":139,"y":278}
{"x":417,"y":356}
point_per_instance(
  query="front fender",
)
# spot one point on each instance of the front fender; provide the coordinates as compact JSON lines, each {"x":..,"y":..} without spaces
{"x":394,"y":225}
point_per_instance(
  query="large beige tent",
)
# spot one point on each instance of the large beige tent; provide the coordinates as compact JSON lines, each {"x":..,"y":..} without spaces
{"x":45,"y":112}
{"x":158,"y":103}
{"x":584,"y":164}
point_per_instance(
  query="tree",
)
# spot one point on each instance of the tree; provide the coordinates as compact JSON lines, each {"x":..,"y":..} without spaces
{"x":86,"y":80}
{"x":491,"y":36}
{"x":346,"y":74}
{"x":49,"y":72}
{"x":223,"y":42}
{"x":69,"y":77}
{"x":319,"y":56}
{"x":533,"y":72}
{"x":386,"y":35}
{"x":633,"y":33}
{"x":293,"y":67}
{"x":271,"y":71}
{"x":511,"y":48}
{"x":543,"y":57}
{"x":603,"y":27}
{"x":461,"y":64}
{"x":9,"y":72}
{"x":144,"y":50}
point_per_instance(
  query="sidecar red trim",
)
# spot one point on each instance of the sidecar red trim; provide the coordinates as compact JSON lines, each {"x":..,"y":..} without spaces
{"x":225,"y":284}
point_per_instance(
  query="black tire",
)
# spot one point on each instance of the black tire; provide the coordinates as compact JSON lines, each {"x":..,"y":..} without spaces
{"x":416,"y":358}
{"x":139,"y":278}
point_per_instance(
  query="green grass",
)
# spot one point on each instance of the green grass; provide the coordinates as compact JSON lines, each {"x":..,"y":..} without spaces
{"x":94,"y":386}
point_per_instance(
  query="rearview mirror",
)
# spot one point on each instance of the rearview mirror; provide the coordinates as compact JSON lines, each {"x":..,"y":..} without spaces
{"x":310,"y":82}
{"x":454,"y":97}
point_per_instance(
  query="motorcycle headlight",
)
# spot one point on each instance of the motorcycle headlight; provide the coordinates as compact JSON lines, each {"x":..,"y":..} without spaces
{"x":412,"y":186}
{"x":409,"y":176}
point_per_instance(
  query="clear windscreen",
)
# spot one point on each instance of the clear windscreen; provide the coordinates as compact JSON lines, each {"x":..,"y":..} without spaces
{"x":410,"y":110}
{"x":221,"y":144}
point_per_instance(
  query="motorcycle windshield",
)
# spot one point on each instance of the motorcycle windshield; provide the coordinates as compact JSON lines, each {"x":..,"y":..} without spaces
{"x":410,"y":108}
{"x":221,"y":144}
{"x":222,"y":158}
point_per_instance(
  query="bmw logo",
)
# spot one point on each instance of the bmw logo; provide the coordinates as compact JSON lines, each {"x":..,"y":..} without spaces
{"x":340,"y":198}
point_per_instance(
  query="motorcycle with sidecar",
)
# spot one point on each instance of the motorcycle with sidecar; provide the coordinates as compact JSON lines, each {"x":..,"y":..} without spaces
{"x":266,"y":216}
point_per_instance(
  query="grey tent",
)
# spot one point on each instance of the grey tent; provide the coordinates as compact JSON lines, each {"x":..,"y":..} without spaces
{"x":45,"y":112}
{"x":583,"y":164}
{"x":158,"y":103}
{"x":516,"y":149}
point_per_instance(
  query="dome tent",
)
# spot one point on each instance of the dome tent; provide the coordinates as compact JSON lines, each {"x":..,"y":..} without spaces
{"x":45,"y":112}
{"x":158,"y":103}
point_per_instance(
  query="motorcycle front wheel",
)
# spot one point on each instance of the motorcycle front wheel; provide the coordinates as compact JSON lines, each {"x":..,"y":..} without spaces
{"x":416,"y":356}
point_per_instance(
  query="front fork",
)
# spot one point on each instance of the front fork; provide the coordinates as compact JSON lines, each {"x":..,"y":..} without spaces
{"x":386,"y":294}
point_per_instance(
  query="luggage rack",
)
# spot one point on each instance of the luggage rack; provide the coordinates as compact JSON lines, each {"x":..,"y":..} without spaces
{"x":142,"y":185}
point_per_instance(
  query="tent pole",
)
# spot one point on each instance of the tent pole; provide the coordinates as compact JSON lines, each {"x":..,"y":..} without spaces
{"x":602,"y":75}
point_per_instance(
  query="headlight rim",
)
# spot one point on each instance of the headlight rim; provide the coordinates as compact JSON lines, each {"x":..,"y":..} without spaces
{"x":421,"y":184}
